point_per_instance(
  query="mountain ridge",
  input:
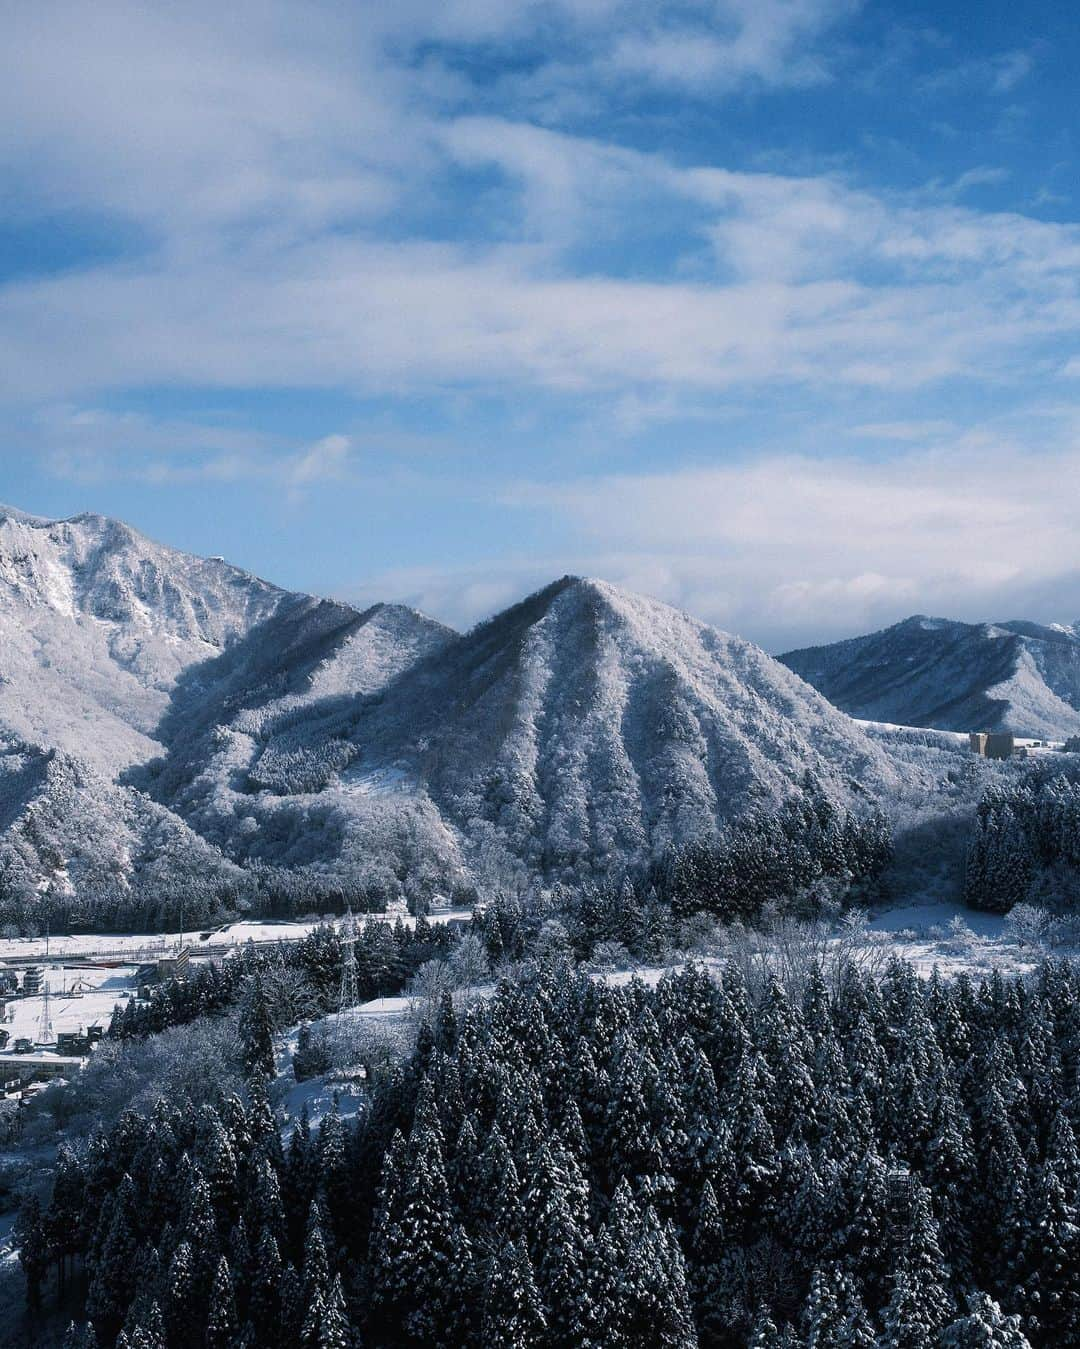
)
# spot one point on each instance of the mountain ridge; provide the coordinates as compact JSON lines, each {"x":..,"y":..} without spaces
{"x":1016,"y":676}
{"x":581,"y":729}
{"x":254,"y":731}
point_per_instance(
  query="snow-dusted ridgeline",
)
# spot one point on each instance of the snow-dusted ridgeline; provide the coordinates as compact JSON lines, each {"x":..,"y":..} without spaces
{"x":934,"y":672}
{"x":198,"y":721}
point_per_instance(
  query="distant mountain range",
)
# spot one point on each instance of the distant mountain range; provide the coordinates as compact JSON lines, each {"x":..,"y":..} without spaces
{"x":168,"y":721}
{"x":1014,"y":676}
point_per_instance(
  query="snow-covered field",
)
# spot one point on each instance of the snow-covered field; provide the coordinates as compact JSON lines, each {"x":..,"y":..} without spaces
{"x":143,"y":946}
{"x":70,"y":1007}
{"x":953,"y":938}
{"x":946,"y":937}
{"x":1031,"y":744}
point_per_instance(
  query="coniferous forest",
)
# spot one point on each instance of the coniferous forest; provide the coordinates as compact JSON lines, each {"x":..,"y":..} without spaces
{"x":887,"y":1163}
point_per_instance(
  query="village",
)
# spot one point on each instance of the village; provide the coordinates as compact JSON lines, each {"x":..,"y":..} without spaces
{"x":52,"y":1015}
{"x":58,"y":993}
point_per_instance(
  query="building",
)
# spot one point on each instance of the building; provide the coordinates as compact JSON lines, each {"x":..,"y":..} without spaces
{"x":73,"y":1043}
{"x":992,"y":744}
{"x":32,"y":981}
{"x":41,"y":1065}
{"x":166,"y":967}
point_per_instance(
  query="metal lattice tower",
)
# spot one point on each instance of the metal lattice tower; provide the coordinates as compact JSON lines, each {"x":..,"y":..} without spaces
{"x":45,"y":1026}
{"x":349,"y":995}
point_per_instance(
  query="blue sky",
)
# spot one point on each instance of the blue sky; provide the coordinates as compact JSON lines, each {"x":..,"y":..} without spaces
{"x":769,"y":308}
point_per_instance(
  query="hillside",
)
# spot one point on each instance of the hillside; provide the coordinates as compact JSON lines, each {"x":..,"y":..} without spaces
{"x":173,"y":722}
{"x":97,"y":623}
{"x":92,"y":848}
{"x":934,"y":672}
{"x":582,"y":730}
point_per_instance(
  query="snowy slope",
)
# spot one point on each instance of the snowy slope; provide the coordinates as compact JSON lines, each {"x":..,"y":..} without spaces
{"x":96,"y":625}
{"x":165,"y":717}
{"x":582,"y":729}
{"x":1014,"y":676}
{"x":113,"y":648}
{"x":66,"y":831}
{"x":312,"y":657}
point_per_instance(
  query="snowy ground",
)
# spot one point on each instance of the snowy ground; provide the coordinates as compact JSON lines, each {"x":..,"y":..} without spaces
{"x":1031,"y":744}
{"x":142,"y":946}
{"x":929,"y":936}
{"x":319,"y":1095}
{"x":69,"y":1010}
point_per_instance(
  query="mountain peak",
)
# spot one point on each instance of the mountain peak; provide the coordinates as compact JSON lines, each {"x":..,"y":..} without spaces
{"x":21,"y":517}
{"x":927,"y":623}
{"x":953,"y":676}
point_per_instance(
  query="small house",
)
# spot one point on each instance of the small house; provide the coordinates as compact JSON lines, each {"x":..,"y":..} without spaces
{"x":73,"y":1043}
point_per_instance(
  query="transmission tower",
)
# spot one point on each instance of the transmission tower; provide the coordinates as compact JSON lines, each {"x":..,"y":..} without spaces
{"x":349,"y":995}
{"x":45,"y":1026}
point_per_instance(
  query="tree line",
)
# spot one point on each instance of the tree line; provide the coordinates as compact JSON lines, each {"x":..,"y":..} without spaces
{"x":385,"y":957}
{"x":1025,"y":839}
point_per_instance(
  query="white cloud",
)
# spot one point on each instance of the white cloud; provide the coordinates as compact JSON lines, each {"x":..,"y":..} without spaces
{"x":324,"y":461}
{"x":259,"y":152}
{"x":294,"y":118}
{"x":788,"y":549}
{"x":954,"y":293}
{"x":274,"y":171}
{"x":766,"y":41}
{"x":998,"y":73}
{"x":904,"y":431}
{"x":87,"y":444}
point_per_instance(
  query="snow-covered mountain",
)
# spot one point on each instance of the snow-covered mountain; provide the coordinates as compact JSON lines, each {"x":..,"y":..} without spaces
{"x":165,"y":715}
{"x":582,"y":729}
{"x":97,"y":623}
{"x":1015,"y":676}
{"x":88,"y":844}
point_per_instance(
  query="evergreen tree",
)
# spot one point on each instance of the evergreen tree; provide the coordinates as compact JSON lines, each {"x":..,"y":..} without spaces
{"x":264,"y":1303}
{"x":33,"y":1246}
{"x":257,"y":1031}
{"x":334,"y":1329}
{"x":179,"y":1298}
{"x":221,"y":1319}
{"x":64,"y":1222}
{"x":984,"y":1327}
{"x":416,"y":1248}
{"x":113,"y":1280}
{"x":640,"y":1279}
{"x":560,"y":1244}
{"x":1049,"y":1273}
{"x":823,"y":1316}
{"x":921,"y":1293}
{"x":80,"y":1337}
{"x":513,"y":1316}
